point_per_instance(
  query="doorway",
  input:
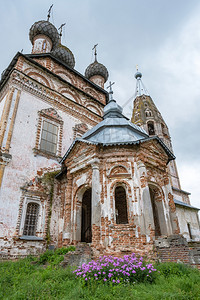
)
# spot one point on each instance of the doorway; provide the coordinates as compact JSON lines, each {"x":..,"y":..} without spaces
{"x":86,"y":216}
{"x":153,"y":194}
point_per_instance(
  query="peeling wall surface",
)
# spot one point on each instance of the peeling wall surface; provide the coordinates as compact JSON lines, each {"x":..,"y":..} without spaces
{"x":25,"y":103}
{"x":119,"y":198}
{"x":188,"y":216}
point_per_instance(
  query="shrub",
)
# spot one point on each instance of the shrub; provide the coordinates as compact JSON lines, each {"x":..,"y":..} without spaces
{"x":63,"y":250}
{"x":54,"y":257}
{"x":116,"y":270}
{"x":169,"y":269}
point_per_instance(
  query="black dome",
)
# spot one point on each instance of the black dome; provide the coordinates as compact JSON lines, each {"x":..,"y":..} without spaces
{"x":96,"y":69}
{"x":64,"y":54}
{"x":46,"y":28}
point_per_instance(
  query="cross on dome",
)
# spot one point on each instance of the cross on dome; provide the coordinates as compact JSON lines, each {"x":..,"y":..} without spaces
{"x":95,"y":51}
{"x":49,"y":12}
{"x":61,"y":28}
{"x":111,"y":91}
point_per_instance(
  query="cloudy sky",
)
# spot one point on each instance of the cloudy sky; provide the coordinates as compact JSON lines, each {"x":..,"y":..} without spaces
{"x":161,"y":37}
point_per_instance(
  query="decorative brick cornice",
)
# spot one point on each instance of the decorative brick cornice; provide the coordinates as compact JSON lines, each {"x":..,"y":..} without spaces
{"x":54,"y":98}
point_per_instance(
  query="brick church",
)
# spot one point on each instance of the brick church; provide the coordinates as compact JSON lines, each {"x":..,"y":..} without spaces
{"x":74,"y":168}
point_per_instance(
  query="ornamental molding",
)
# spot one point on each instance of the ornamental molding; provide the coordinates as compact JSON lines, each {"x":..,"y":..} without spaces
{"x":53,"y":98}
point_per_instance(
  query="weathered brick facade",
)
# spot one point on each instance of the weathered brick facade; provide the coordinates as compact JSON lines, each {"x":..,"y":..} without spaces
{"x":112,"y":189}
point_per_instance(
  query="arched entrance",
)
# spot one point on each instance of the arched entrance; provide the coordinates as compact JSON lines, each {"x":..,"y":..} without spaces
{"x":86,"y":216}
{"x":158,"y":212}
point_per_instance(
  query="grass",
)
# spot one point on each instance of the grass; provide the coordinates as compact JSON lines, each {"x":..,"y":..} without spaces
{"x":24,"y":280}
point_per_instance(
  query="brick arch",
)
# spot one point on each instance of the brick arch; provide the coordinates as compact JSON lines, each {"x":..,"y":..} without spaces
{"x":127,"y":187}
{"x":64,"y":75}
{"x":74,"y":96}
{"x":91,"y":92}
{"x":119,"y":169}
{"x":39,"y":77}
{"x":156,"y":186}
{"x":81,"y":190}
{"x":77,"y":210}
{"x":94,"y":108}
{"x":158,"y":205}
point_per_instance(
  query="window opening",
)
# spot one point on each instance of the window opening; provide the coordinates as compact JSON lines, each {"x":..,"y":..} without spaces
{"x":151,"y":129}
{"x":121,"y":205}
{"x":49,"y":137}
{"x":44,"y":45}
{"x":30,"y":224}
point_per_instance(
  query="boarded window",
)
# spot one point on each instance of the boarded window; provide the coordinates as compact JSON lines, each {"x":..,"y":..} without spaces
{"x":31,"y":219}
{"x":121,"y":205}
{"x":49,"y":137}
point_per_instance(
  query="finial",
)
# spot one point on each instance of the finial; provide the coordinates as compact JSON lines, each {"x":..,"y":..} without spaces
{"x":111,"y":91}
{"x":60,"y":28}
{"x":95,"y":52}
{"x":138,"y":75}
{"x":49,"y":12}
{"x":136,"y":68}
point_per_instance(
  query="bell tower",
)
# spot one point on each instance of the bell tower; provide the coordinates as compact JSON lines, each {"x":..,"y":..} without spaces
{"x":146,"y":115}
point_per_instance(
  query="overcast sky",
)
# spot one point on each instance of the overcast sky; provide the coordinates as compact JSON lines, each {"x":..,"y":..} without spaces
{"x":161,"y":37}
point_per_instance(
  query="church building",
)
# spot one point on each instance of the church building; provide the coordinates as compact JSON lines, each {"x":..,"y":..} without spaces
{"x":74,"y":169}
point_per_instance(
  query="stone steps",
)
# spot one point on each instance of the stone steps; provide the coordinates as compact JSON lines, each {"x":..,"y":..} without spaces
{"x":82,"y":254}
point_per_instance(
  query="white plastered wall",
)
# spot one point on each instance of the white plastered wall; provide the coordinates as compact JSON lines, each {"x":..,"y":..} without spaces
{"x":24,"y":164}
{"x":186,"y":215}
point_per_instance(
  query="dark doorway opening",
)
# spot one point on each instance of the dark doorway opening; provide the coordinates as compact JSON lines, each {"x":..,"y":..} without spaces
{"x":86,"y":224}
{"x":121,"y":205}
{"x":155,"y":212}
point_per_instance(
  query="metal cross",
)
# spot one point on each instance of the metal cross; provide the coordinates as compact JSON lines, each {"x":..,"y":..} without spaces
{"x":110,"y":86}
{"x":49,"y":12}
{"x":61,"y":27}
{"x":95,"y":51}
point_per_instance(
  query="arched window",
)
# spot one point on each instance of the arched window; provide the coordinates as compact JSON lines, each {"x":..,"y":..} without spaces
{"x":151,"y":129}
{"x":30,"y":224}
{"x":121,"y":205}
{"x":148,"y":113}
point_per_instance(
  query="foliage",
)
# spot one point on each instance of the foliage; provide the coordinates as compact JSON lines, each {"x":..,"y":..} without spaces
{"x":54,"y":257}
{"x":23,"y":280}
{"x":178,"y":269}
{"x":116,"y":270}
{"x":63,"y":250}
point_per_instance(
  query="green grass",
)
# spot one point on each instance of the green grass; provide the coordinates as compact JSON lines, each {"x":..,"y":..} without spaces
{"x":24,"y":280}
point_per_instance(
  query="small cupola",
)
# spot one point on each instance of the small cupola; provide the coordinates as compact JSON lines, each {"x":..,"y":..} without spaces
{"x":63,"y":53}
{"x":44,"y":36}
{"x":97,"y":72}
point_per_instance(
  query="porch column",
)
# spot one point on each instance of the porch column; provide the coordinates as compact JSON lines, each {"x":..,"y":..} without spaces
{"x":96,"y":193}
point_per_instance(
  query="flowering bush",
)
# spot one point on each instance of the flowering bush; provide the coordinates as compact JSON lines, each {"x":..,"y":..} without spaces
{"x":116,"y":270}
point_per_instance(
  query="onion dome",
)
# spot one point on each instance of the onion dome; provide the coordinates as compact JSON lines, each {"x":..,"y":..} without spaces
{"x":65,"y":55}
{"x":45,"y":28}
{"x":96,"y":69}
